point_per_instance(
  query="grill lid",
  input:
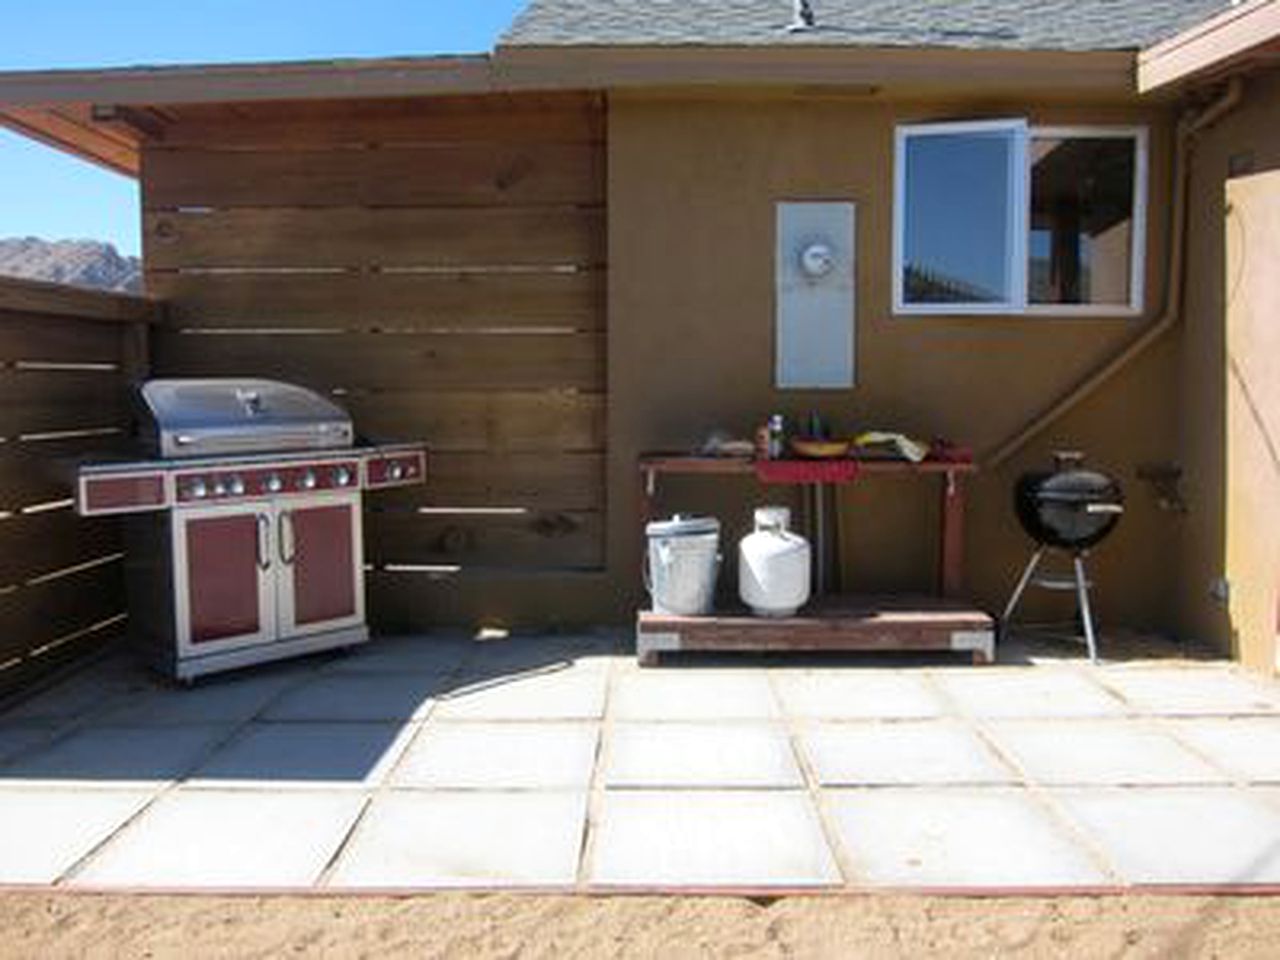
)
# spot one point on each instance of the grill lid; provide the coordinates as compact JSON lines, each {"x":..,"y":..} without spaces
{"x":200,"y":418}
{"x":1070,"y":506}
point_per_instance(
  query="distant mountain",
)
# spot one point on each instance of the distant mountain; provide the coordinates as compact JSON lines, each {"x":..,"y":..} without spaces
{"x":81,"y":263}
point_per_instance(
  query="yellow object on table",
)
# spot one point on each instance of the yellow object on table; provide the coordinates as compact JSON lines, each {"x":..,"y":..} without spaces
{"x":909,"y":449}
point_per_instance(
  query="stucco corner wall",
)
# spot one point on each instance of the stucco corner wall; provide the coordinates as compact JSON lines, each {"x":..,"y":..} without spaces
{"x":1230,"y":414}
{"x":692,"y":188}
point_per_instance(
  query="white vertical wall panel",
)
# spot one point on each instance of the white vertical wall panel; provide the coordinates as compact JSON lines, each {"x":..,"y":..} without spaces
{"x":816,"y":309}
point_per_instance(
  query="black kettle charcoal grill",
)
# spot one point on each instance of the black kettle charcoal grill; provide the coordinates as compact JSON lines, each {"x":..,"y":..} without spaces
{"x":1068,"y":509}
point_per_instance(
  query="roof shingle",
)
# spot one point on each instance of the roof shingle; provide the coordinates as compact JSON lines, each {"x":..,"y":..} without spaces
{"x":1068,"y":25}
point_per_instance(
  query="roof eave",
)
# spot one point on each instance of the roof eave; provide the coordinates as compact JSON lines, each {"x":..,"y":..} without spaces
{"x":221,"y":83}
{"x":102,"y":115}
{"x":921,"y":70}
{"x":1235,"y":38}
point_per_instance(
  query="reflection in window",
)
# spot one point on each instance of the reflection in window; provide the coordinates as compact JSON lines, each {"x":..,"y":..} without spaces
{"x":1082,"y":213}
{"x":957,"y":243}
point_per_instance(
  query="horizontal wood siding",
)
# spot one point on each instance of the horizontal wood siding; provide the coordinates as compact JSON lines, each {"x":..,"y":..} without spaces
{"x":66,"y":359}
{"x":439,"y":268}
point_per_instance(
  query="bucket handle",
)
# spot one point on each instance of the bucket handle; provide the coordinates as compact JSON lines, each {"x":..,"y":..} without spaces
{"x":646,"y":571}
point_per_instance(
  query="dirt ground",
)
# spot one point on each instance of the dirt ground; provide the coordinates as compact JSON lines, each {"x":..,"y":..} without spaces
{"x":510,"y":926}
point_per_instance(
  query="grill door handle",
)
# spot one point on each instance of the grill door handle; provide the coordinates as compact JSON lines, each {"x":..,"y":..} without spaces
{"x":1104,"y":508}
{"x":264,"y":542}
{"x":288,"y":549}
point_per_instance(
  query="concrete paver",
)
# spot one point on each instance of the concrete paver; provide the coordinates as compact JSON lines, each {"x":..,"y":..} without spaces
{"x":268,"y":755}
{"x":446,"y":761}
{"x":1246,"y":747}
{"x":498,"y":756}
{"x":858,"y":695}
{"x":357,"y":698}
{"x":1099,"y":752}
{"x":958,"y":838}
{"x":45,"y":831}
{"x":557,"y":695}
{"x":116,"y":756}
{"x":16,"y":738}
{"x":435,"y":656}
{"x":466,"y":839}
{"x":1187,"y":835}
{"x":928,"y":752}
{"x":1034,"y":692}
{"x":701,"y":755}
{"x":207,"y":838}
{"x":1194,"y":691}
{"x":711,"y":838}
{"x":693,"y":695}
{"x":229,"y":699}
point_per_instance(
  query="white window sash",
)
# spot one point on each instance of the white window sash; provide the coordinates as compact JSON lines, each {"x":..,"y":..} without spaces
{"x":1018,"y":226}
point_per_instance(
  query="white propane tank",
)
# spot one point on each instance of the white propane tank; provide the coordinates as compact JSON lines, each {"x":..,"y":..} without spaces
{"x":773,"y":565}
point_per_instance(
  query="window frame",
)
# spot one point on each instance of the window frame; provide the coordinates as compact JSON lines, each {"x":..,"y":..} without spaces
{"x":1016,"y":224}
{"x":1020,"y":218}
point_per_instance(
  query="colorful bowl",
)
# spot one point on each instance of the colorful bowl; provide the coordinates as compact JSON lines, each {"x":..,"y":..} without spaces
{"x":819,"y":449}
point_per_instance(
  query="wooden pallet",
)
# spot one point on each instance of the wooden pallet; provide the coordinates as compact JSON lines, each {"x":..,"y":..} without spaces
{"x":841,"y":623}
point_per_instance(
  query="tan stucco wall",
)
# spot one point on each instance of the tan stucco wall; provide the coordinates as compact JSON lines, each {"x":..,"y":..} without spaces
{"x":692,"y":185}
{"x":1230,"y":394}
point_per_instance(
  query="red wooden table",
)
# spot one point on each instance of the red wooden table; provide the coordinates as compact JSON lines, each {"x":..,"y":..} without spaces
{"x":949,"y":471}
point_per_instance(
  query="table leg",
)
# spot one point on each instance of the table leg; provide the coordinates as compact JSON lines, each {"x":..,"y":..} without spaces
{"x":951,"y":547}
{"x":820,"y":538}
{"x":648,"y":492}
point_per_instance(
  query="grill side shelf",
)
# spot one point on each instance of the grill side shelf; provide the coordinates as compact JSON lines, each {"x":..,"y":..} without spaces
{"x":135,"y":491}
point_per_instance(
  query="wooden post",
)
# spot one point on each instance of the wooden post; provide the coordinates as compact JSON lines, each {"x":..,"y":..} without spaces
{"x":951,"y":548}
{"x":135,"y":352}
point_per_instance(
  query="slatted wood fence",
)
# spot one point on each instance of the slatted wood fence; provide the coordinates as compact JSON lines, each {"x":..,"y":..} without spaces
{"x":438,"y":267}
{"x":66,"y":358}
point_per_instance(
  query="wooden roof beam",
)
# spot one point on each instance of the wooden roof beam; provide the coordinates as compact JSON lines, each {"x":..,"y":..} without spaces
{"x":141,"y":124}
{"x":56,"y":130}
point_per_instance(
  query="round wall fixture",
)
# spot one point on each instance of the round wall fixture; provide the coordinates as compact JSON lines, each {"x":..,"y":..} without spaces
{"x":817,"y":260}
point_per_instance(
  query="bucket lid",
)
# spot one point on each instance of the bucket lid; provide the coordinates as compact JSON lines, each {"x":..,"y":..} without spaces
{"x":682,"y":525}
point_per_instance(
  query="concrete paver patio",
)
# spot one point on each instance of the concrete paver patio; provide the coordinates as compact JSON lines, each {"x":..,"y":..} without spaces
{"x":555,"y":762}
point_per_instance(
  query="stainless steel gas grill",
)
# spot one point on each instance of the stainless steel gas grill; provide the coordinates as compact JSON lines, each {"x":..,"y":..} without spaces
{"x":244,"y":536}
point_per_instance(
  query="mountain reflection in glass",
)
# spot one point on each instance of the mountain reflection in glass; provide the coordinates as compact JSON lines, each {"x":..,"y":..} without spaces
{"x":957,"y":243}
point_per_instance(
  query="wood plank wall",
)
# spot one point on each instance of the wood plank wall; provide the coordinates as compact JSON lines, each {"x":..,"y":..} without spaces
{"x":437,"y":266}
{"x":66,"y":359}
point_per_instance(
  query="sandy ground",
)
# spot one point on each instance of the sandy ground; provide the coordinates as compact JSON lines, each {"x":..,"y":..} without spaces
{"x":457,"y":925}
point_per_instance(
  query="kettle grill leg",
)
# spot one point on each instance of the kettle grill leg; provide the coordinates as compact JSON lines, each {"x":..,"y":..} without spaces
{"x":1006,"y":620}
{"x":1086,"y":615}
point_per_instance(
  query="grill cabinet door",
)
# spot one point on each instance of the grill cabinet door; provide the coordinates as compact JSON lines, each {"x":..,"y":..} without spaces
{"x":321,"y":584}
{"x":224,"y":578}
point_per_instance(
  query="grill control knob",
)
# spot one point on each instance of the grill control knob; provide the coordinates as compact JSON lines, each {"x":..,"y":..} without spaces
{"x":237,"y":487}
{"x":395,"y":471}
{"x":198,"y":489}
{"x":274,"y":483}
{"x":342,"y":476}
{"x":308,"y":480}
{"x":219,"y":488}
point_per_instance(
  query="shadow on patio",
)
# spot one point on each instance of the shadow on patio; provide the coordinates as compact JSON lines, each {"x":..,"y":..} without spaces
{"x":556,"y":762}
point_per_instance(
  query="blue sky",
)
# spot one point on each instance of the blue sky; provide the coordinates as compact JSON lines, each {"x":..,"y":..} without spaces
{"x":44,"y":193}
